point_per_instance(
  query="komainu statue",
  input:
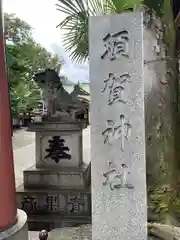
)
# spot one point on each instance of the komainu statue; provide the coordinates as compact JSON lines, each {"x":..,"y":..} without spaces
{"x":59,"y":103}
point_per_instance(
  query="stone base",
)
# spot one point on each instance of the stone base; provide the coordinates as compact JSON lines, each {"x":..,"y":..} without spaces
{"x":64,"y":178}
{"x":19,"y":231}
{"x":37,"y":223}
{"x":84,"y":232}
{"x":56,"y":126}
{"x":47,"y":208}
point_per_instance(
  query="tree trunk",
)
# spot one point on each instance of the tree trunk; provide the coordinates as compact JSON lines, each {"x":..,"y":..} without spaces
{"x":161,"y":101}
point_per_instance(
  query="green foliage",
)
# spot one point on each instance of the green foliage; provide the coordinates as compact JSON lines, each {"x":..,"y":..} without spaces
{"x":163,"y":197}
{"x":24,"y":58}
{"x":164,"y":200}
{"x":156,"y":5}
{"x":76,"y":22}
{"x":77,"y":13}
{"x":17,"y":31}
{"x":123,"y":5}
{"x":160,"y":200}
{"x":76,"y":25}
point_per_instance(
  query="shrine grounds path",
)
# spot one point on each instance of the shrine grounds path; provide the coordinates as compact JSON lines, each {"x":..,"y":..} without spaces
{"x":24,"y":156}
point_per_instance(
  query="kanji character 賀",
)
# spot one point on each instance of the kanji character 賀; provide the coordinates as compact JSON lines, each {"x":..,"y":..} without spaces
{"x":116,"y":87}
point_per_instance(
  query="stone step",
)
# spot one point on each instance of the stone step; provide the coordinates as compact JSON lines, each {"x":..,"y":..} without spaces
{"x":54,"y":207}
{"x":37,"y":222}
{"x":64,"y":178}
{"x":65,"y":202}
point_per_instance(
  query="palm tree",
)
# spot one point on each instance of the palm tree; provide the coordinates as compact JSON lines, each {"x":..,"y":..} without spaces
{"x":161,"y":88}
{"x":76,"y":21}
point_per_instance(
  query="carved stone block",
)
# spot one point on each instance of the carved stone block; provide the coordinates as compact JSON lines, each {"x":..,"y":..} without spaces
{"x":64,"y":178}
{"x":55,"y":207}
{"x":58,"y":149}
{"x":57,"y":126}
{"x":67,"y":202}
{"x":118,"y":173}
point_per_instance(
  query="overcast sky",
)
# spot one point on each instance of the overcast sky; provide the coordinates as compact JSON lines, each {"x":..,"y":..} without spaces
{"x":43,"y":17}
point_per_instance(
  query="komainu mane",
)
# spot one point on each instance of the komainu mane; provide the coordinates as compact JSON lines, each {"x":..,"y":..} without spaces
{"x":58,"y":101}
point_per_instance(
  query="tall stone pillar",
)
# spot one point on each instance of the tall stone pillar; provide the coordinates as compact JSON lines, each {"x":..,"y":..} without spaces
{"x":11,"y":221}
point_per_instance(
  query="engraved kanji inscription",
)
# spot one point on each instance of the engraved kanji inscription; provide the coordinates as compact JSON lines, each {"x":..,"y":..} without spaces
{"x":51,"y":202}
{"x":116,"y":44}
{"x":115,"y":85}
{"x":117,"y":179}
{"x":29,"y":203}
{"x":76,"y":203}
{"x":116,"y":131}
{"x":57,"y":150}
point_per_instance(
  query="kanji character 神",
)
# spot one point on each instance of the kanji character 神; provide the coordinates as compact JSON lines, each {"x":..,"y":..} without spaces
{"x":114,"y":132}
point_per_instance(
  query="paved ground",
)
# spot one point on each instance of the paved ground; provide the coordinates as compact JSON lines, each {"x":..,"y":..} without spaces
{"x":33,"y":235}
{"x":22,"y":138}
{"x":24,"y":152}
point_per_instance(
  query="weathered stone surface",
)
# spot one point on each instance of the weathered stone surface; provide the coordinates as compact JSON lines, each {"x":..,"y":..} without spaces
{"x":47,"y":198}
{"x":65,"y":135}
{"x":77,"y":233}
{"x":64,"y":178}
{"x":84,"y":232}
{"x":56,"y":126}
{"x":72,"y":141}
{"x":47,"y":208}
{"x":164,"y":232}
{"x":59,"y":101}
{"x":117,"y":128}
{"x":64,"y":202}
{"x":161,"y":84}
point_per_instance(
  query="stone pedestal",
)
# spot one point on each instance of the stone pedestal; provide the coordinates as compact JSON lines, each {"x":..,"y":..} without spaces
{"x":56,"y":192}
{"x":18,"y":231}
{"x":68,"y":134}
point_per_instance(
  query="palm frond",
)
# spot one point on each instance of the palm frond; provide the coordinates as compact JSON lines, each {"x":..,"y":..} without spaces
{"x":96,"y":7}
{"x":75,"y":24}
{"x":76,"y":21}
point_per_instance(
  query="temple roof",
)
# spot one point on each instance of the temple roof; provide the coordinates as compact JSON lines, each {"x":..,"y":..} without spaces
{"x":70,"y":87}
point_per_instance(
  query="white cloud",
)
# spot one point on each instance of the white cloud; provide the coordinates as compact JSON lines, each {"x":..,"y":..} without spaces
{"x":75,"y":72}
{"x":43,"y":17}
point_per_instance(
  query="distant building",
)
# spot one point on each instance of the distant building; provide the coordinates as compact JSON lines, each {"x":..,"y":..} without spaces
{"x":82,"y":91}
{"x":69,"y":87}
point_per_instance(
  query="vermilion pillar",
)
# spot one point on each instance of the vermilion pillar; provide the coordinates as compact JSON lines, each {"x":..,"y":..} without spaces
{"x":8,"y":209}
